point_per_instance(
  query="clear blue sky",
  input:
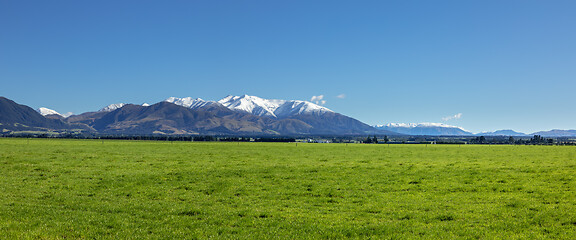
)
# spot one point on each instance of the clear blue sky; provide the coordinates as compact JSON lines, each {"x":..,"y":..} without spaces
{"x":500,"y":64}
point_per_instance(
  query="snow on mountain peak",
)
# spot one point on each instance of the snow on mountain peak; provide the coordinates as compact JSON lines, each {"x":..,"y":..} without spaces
{"x":46,"y":111}
{"x":252,"y":104}
{"x":189,"y":102}
{"x":112,"y":107}
{"x":271,"y":107}
{"x":296,"y":107}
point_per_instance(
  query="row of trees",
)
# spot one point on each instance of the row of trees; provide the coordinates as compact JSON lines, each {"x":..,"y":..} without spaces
{"x":156,"y":137}
{"x":375,"y":140}
{"x":536,"y":140}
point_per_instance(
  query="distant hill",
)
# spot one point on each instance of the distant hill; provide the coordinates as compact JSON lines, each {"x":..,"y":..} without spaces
{"x":425,"y":129}
{"x":556,"y":133}
{"x":503,"y":133}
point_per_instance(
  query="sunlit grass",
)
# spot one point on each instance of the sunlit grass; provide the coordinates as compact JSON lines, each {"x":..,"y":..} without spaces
{"x":143,"y":189}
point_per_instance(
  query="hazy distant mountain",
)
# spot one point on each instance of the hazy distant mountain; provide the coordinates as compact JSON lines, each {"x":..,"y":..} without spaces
{"x":427,"y":129}
{"x":556,"y":133}
{"x":507,"y":132}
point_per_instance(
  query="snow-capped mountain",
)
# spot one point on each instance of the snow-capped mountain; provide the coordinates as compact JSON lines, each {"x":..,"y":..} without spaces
{"x":112,"y":107}
{"x":286,"y":115}
{"x":271,"y":107}
{"x":115,"y":106}
{"x":231,"y":115}
{"x":255,"y":105}
{"x":46,"y":111}
{"x":435,"y":129}
{"x":189,"y":102}
{"x":252,"y":104}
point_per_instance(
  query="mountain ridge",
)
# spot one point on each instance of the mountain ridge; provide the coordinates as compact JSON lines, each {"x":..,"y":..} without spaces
{"x":274,"y":108}
{"x":231,"y":115}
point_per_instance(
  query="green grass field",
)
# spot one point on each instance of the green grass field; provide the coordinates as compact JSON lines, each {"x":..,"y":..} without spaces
{"x":57,"y":189}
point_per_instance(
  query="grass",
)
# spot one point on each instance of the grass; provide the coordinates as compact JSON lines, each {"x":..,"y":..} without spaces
{"x":56,"y":189}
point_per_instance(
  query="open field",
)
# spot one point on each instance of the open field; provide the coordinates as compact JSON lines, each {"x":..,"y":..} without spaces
{"x":56,"y":189}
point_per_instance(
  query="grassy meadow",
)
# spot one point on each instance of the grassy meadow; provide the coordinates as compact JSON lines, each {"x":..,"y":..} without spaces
{"x":77,"y":189}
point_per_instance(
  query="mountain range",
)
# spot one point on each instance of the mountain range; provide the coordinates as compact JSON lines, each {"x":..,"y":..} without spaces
{"x":232,"y":115}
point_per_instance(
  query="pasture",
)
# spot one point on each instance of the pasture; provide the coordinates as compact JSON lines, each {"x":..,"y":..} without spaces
{"x":80,"y":189}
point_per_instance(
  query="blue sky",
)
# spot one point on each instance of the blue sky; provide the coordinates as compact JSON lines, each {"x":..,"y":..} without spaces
{"x":481,"y":65}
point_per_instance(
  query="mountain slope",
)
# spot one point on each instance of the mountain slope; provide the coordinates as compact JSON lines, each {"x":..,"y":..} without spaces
{"x":18,"y":117}
{"x":169,"y":118}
